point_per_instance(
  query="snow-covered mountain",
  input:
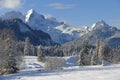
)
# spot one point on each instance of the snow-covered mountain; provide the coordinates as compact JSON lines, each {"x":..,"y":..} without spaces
{"x":60,"y":32}
{"x":99,"y":30}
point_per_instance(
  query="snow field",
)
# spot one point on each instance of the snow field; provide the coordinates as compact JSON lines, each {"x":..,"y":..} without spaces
{"x":71,"y":72}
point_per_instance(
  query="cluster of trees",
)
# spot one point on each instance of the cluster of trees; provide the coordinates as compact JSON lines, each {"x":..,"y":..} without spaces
{"x":28,"y":48}
{"x":88,"y":54}
{"x":11,"y":52}
{"x":96,"y":56}
{"x":52,"y":50}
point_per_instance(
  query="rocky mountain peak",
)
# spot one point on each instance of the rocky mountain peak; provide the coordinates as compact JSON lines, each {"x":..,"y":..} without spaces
{"x":100,"y":24}
{"x":33,"y":14}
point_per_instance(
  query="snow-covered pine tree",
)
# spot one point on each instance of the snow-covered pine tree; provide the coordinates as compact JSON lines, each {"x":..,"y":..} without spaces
{"x":96,"y":57}
{"x":27,"y":47}
{"x":41,"y":56}
{"x":105,"y":52}
{"x":83,"y":54}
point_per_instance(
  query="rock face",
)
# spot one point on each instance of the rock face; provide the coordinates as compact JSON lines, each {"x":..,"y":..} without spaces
{"x":22,"y":30}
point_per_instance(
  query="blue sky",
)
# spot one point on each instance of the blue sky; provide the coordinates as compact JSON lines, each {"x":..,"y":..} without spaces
{"x":75,"y":12}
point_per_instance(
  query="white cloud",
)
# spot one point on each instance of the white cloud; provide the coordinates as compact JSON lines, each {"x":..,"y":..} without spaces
{"x":61,"y":6}
{"x":63,"y":20}
{"x":10,"y":3}
{"x":115,"y":23}
{"x":47,"y":16}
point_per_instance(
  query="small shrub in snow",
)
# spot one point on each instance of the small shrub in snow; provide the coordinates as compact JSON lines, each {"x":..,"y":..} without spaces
{"x":105,"y":63}
{"x":54,"y":63}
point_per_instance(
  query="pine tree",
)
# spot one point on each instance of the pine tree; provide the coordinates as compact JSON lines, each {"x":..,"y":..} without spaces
{"x":40,"y":54}
{"x":115,"y":55}
{"x":105,"y":53}
{"x":82,"y":55}
{"x":27,"y":48}
{"x":102,"y":53}
{"x":81,"y":58}
{"x":32,"y":50}
{"x":96,"y":57}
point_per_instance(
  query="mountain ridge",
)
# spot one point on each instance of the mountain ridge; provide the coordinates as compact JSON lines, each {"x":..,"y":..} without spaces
{"x":61,"y":32}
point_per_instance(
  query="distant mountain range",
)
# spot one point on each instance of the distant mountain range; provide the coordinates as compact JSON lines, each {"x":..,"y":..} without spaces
{"x":41,"y":26}
{"x":100,"y":30}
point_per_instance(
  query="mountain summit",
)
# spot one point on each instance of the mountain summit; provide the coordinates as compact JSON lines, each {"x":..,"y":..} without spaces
{"x":99,"y":24}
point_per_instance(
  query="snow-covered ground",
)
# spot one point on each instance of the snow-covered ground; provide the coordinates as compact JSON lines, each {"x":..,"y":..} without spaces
{"x":34,"y":71}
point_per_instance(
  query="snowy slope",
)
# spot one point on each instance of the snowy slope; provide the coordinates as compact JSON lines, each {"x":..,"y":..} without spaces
{"x":31,"y":62}
{"x":111,"y":72}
